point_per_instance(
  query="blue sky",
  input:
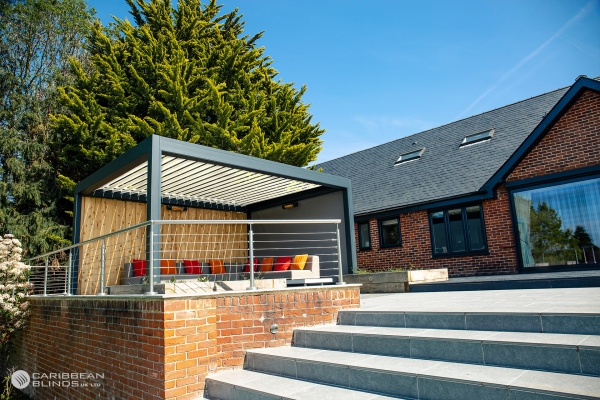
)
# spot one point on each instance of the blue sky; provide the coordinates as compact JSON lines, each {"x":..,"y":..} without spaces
{"x":384,"y":69}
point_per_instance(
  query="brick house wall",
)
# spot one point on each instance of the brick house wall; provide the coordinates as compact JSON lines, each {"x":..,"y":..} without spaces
{"x":416,"y":244}
{"x":162,"y":348}
{"x":573,"y":142}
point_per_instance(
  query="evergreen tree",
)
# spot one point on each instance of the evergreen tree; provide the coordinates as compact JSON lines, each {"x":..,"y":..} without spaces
{"x":548,"y":240}
{"x":36,"y":39}
{"x":185,"y":72}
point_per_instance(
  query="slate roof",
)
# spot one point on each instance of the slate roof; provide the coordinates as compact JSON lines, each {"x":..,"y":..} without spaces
{"x":445,"y":170}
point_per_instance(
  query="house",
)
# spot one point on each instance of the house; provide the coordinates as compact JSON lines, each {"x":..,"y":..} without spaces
{"x":514,"y":189}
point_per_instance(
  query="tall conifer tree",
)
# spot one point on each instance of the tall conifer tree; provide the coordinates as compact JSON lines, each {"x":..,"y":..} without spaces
{"x":186,"y":72}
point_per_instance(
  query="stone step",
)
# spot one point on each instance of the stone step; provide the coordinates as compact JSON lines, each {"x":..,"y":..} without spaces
{"x":569,"y":322}
{"x":242,"y":384}
{"x":567,"y":353}
{"x":416,"y":378}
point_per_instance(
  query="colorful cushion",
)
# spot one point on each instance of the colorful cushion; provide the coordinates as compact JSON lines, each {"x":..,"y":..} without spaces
{"x":139,"y":267}
{"x":299,"y":262}
{"x":283,"y":263}
{"x":167,"y":267}
{"x":267,"y":264}
{"x":192,"y":266}
{"x":247,"y":267}
{"x":217,"y":267}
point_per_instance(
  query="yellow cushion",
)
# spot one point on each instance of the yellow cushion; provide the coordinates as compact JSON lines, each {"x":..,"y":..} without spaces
{"x":299,"y":262}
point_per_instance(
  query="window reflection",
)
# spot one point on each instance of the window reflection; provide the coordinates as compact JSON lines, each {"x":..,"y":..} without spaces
{"x":559,"y":225}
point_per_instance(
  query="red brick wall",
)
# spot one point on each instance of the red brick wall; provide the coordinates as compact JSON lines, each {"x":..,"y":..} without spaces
{"x":573,"y":142}
{"x":416,"y":245}
{"x":163,"y":348}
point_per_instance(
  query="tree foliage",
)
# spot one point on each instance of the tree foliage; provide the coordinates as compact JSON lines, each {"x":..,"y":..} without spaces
{"x":186,"y":72}
{"x":37,"y":37}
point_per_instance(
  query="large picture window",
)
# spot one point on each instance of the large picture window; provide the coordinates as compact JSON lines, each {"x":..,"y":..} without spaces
{"x":364,"y":236}
{"x":559,"y":224}
{"x":457,"y":231}
{"x":389,"y":232}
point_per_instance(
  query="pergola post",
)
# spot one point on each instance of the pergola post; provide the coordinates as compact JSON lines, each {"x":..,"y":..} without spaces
{"x":153,"y":204}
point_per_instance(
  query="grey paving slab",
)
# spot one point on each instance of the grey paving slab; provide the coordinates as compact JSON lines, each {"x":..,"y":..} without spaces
{"x":435,"y":320}
{"x":578,"y":324}
{"x":590,"y":361}
{"x":271,"y":364}
{"x":530,"y":356}
{"x":332,"y":374}
{"x":433,"y":389}
{"x":379,"y":344}
{"x":591,"y":341}
{"x":321,"y":392}
{"x":566,"y":384}
{"x":447,"y":350}
{"x":328,"y":340}
{"x":527,"y":300}
{"x":504,"y":322}
{"x":493,"y":376}
{"x":384,"y":382}
{"x":405,"y":366}
{"x":335,"y":328}
{"x":392,"y":319}
{"x":540,"y":338}
{"x":514,"y":394}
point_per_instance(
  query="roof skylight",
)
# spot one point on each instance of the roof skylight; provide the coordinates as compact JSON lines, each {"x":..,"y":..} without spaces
{"x":413,"y":155}
{"x":477,"y":137}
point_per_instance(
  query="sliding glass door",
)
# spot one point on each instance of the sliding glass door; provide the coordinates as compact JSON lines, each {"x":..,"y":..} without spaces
{"x":559,"y":224}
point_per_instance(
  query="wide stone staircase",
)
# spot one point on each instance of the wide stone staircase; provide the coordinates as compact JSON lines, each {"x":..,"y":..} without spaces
{"x":375,"y":354}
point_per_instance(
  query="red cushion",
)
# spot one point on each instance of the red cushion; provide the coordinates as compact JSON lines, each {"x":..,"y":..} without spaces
{"x":247,"y":267}
{"x":192,"y":266}
{"x":283,"y":263}
{"x":139,"y":267}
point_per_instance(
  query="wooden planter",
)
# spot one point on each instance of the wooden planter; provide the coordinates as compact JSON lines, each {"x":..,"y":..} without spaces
{"x":395,"y":282}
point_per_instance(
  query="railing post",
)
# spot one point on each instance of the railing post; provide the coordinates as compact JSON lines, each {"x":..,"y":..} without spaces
{"x":251,"y":252}
{"x":151,"y":261}
{"x":68,"y":274}
{"x":46,"y":278}
{"x":102,"y":261}
{"x":339,"y":257}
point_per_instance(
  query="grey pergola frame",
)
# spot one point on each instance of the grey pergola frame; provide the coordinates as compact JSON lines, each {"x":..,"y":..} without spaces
{"x":152,"y":149}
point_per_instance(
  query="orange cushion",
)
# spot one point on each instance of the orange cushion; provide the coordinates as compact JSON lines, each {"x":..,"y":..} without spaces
{"x":299,"y":262}
{"x":167,"y":267}
{"x":267,"y":264}
{"x":283,"y":264}
{"x":217,"y":267}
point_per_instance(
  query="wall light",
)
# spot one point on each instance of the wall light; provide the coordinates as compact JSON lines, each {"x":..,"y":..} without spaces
{"x":289,"y":205}
{"x":171,"y":207}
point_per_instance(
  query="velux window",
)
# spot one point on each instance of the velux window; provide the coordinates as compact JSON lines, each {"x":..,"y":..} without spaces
{"x":477,"y":137}
{"x":457,"y":231}
{"x":413,"y":155}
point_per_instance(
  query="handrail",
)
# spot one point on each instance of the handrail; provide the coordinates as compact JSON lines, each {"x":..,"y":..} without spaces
{"x":153,"y":264}
{"x":193,"y":221}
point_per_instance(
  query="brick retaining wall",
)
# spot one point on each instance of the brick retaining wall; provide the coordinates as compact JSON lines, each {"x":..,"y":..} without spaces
{"x":163,"y":348}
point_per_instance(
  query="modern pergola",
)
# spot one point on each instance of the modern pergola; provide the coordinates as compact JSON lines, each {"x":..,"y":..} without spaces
{"x":163,"y":171}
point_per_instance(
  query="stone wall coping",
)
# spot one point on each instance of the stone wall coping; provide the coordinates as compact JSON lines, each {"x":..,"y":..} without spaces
{"x":185,"y":296}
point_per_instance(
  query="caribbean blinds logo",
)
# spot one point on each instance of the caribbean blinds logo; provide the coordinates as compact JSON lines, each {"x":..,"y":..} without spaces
{"x":20,"y":379}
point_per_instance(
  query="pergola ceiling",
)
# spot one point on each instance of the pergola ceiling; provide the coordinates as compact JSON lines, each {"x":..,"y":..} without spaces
{"x":208,"y":183}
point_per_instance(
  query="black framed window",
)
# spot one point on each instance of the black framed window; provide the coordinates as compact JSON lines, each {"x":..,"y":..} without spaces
{"x":389,"y":232}
{"x":457,"y":231}
{"x":364,"y":236}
